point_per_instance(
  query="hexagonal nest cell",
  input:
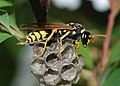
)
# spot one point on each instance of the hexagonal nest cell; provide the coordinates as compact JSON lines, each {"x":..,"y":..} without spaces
{"x":53,"y":70}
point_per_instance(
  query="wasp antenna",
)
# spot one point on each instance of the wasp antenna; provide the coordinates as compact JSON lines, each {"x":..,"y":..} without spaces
{"x":102,"y":35}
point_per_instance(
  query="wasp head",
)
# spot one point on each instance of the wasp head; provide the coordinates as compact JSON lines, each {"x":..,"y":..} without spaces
{"x":86,"y":38}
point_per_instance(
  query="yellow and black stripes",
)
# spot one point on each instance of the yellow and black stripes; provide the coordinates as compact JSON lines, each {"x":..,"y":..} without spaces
{"x":78,"y":32}
{"x":36,"y":36}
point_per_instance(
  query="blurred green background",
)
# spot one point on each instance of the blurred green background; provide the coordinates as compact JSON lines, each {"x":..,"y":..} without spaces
{"x":15,"y":60}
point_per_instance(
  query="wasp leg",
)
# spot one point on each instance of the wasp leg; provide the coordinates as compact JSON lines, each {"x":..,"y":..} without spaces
{"x":53,"y":31}
{"x":61,"y":38}
{"x":77,"y":44}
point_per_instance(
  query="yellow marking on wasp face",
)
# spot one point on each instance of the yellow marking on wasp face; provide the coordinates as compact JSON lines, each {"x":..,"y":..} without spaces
{"x":73,"y":32}
{"x":64,"y":30}
{"x":37,"y":35}
{"x":85,"y":46}
{"x":43,"y":33}
{"x":82,"y":35}
{"x":82,"y":30}
{"x":88,"y":41}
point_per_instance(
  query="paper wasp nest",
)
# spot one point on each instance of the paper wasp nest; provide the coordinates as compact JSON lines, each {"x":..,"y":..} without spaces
{"x":53,"y":70}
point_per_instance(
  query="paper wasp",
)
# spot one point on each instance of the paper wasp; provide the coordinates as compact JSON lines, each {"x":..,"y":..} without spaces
{"x":60,"y":31}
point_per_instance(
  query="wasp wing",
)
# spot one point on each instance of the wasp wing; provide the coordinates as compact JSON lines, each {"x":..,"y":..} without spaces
{"x":47,"y":26}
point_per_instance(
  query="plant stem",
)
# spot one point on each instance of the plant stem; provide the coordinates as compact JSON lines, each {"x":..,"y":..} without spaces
{"x":107,"y":42}
{"x":95,"y":77}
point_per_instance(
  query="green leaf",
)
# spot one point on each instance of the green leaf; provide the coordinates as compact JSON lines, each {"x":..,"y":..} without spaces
{"x":113,"y":79}
{"x":115,"y":54}
{"x":4,"y":19}
{"x":86,"y":54}
{"x":105,"y":74}
{"x":4,"y":3}
{"x":5,"y":25}
{"x":4,"y":36}
{"x":13,"y":21}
